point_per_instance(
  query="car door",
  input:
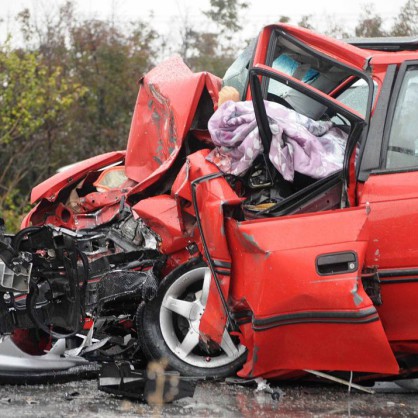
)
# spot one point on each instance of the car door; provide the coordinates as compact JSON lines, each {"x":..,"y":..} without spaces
{"x":300,"y":278}
{"x":389,"y":172}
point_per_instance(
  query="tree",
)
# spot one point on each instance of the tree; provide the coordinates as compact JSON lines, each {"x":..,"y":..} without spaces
{"x":68,"y":94}
{"x":369,"y":24}
{"x":406,"y":23}
{"x":334,"y":28}
{"x":31,"y":98}
{"x":226,"y":14}
{"x":109,"y":62}
{"x":213,"y":49}
{"x":305,"y":22}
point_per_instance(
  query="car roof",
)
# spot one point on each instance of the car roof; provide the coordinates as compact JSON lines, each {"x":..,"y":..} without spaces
{"x":390,"y":43}
{"x":360,"y":52}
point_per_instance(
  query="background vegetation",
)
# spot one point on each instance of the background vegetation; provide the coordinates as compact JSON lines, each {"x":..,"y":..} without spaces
{"x":68,"y":90}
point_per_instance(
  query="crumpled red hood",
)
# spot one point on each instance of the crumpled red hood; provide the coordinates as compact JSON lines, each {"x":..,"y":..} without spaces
{"x":166,"y":104}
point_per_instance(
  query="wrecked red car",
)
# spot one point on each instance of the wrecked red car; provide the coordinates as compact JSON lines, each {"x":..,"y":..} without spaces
{"x":270,"y":236}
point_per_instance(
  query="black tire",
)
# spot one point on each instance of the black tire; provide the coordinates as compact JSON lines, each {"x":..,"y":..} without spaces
{"x":155,"y":346}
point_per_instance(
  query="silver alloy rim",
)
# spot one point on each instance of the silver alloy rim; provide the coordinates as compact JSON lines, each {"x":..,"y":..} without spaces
{"x":193,"y":311}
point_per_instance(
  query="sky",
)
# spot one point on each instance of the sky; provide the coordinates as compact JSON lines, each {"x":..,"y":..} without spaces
{"x":167,"y":13}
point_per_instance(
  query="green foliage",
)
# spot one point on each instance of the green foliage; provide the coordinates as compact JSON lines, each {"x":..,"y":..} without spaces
{"x":67,"y":95}
{"x":33,"y":96}
{"x":15,"y":207}
{"x":29,"y":94}
{"x":109,"y":63}
{"x":216,"y":49}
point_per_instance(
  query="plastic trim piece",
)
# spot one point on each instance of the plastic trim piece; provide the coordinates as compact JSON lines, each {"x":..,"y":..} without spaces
{"x":370,"y":150}
{"x":333,"y":317}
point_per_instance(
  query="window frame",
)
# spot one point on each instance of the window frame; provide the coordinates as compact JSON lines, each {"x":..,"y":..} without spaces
{"x":280,"y":33}
{"x":371,"y":147}
{"x":358,"y":124}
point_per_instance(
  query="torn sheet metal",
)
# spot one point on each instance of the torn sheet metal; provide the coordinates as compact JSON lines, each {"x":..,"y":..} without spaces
{"x":210,"y":194}
{"x":12,"y":358}
{"x":49,"y":188}
{"x":161,"y":214}
{"x":162,"y":118}
{"x":111,"y":178}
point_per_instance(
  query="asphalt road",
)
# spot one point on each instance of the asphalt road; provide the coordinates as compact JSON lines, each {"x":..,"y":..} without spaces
{"x":82,"y":399}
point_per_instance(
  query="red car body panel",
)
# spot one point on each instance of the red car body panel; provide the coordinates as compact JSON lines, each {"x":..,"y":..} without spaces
{"x":292,"y":302}
{"x":100,"y":208}
{"x":341,"y":51}
{"x":393,"y":248}
{"x":212,"y":192}
{"x":160,"y":123}
{"x":161,"y":214}
{"x":50,"y":188}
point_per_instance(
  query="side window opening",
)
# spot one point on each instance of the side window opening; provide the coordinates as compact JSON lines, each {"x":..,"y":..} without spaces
{"x":308,"y":68}
{"x":355,"y":96}
{"x":317,"y":184}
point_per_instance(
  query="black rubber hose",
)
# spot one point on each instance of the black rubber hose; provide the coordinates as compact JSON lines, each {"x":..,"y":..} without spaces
{"x":17,"y":239}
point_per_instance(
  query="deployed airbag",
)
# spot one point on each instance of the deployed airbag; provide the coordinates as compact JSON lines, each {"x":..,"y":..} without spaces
{"x":310,"y":147}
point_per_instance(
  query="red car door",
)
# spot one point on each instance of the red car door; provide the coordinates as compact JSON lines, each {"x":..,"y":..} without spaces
{"x":389,"y":170}
{"x":301,"y":278}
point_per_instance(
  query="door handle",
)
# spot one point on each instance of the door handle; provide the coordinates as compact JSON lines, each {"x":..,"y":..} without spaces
{"x":336,"y":263}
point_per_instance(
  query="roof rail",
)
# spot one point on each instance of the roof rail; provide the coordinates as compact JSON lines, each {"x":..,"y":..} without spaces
{"x":391,"y":43}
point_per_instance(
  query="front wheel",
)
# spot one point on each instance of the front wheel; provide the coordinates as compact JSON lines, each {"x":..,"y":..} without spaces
{"x":168,"y":327}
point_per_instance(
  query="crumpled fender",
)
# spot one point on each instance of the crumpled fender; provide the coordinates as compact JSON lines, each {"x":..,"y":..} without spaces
{"x":50,"y":188}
